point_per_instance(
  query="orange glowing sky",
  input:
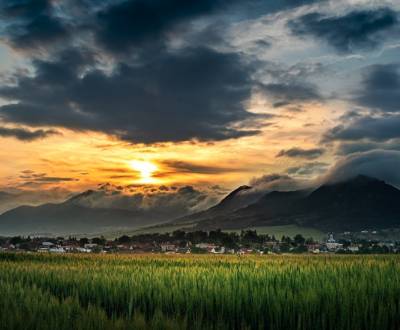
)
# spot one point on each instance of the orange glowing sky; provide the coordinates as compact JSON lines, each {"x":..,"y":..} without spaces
{"x":91,"y":158}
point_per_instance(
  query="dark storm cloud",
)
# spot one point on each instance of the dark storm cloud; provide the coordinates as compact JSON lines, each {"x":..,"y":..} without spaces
{"x":356,"y":30}
{"x":381,"y":164}
{"x":32,"y":23}
{"x":126,"y":24}
{"x":367,"y":127}
{"x":301,"y":153}
{"x":380,"y":95}
{"x":381,"y":88}
{"x":26,"y":135}
{"x":191,"y":94}
{"x":153,"y":93}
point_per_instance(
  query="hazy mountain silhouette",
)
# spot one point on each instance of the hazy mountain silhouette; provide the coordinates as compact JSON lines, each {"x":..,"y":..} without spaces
{"x":72,"y":217}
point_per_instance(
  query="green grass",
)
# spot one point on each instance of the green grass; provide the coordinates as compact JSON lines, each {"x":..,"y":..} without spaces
{"x":199,"y":292}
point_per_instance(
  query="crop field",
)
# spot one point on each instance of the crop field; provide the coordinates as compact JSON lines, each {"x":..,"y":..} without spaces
{"x":39,"y":291}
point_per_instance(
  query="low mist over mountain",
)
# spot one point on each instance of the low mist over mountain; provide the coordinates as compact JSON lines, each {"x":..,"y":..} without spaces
{"x":103,"y":210}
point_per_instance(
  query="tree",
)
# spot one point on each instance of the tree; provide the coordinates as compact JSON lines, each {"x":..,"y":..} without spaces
{"x":99,"y":240}
{"x":83,"y":241}
{"x":124,"y":239}
{"x":178,"y":235}
{"x":299,"y":239}
{"x":16,"y":240}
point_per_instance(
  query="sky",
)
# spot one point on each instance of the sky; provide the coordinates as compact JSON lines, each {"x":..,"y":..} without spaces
{"x":150,"y":97}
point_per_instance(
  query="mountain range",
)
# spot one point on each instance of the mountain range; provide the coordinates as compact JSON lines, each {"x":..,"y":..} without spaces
{"x":355,"y":204}
{"x":75,"y":216}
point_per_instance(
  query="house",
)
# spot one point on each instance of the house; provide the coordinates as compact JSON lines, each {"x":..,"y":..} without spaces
{"x":47,"y":244}
{"x":57,"y":250}
{"x":332,"y":245}
{"x":183,"y":250}
{"x":353,"y":248}
{"x":83,"y":250}
{"x":313,"y":247}
{"x":206,"y":246}
{"x":167,"y":247}
{"x":218,"y":250}
{"x":70,"y":247}
{"x":90,"y":246}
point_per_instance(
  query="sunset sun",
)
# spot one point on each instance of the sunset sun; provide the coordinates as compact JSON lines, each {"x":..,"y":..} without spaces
{"x":145,"y":169}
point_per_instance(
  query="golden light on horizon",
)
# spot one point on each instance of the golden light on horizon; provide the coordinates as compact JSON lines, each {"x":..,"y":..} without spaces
{"x":145,"y":169}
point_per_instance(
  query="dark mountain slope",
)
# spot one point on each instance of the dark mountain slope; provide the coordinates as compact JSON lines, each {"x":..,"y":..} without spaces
{"x":238,"y":198}
{"x":359,"y":203}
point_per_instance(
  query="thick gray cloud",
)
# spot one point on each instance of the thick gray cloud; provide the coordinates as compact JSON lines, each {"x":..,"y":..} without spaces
{"x":26,"y":135}
{"x":157,"y":91}
{"x":372,"y":128}
{"x":132,"y":23}
{"x":191,"y":94}
{"x":347,"y":148}
{"x":32,"y":23}
{"x":381,"y":88}
{"x":301,"y":153}
{"x":381,"y":164}
{"x":363,"y":29}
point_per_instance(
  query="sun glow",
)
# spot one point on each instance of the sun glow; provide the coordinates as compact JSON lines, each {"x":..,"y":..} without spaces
{"x":145,"y":169}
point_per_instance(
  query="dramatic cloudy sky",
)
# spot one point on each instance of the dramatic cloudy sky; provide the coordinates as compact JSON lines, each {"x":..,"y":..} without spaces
{"x":202,"y":95}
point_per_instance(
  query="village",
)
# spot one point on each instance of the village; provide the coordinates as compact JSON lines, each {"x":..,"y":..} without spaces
{"x":199,"y":242}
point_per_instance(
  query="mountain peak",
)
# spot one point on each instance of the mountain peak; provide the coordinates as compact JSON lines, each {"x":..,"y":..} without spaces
{"x":79,"y":196}
{"x":232,"y":195}
{"x":359,"y":180}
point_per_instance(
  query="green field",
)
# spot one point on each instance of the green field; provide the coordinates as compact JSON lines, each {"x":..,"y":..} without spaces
{"x":40,"y":291}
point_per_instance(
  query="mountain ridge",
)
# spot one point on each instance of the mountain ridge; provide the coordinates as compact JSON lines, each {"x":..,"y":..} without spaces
{"x":353,"y":204}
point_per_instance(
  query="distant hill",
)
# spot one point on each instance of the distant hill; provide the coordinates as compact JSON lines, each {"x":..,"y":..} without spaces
{"x":71,"y":217}
{"x":358,"y":203}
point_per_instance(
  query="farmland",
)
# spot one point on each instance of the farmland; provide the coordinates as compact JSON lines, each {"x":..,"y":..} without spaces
{"x":41,"y":291}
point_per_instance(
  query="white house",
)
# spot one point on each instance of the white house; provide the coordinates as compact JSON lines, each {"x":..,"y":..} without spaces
{"x":332,"y":245}
{"x":57,"y":250}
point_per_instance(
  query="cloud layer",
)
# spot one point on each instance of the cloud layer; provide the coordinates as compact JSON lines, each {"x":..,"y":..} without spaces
{"x":362,"y":29}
